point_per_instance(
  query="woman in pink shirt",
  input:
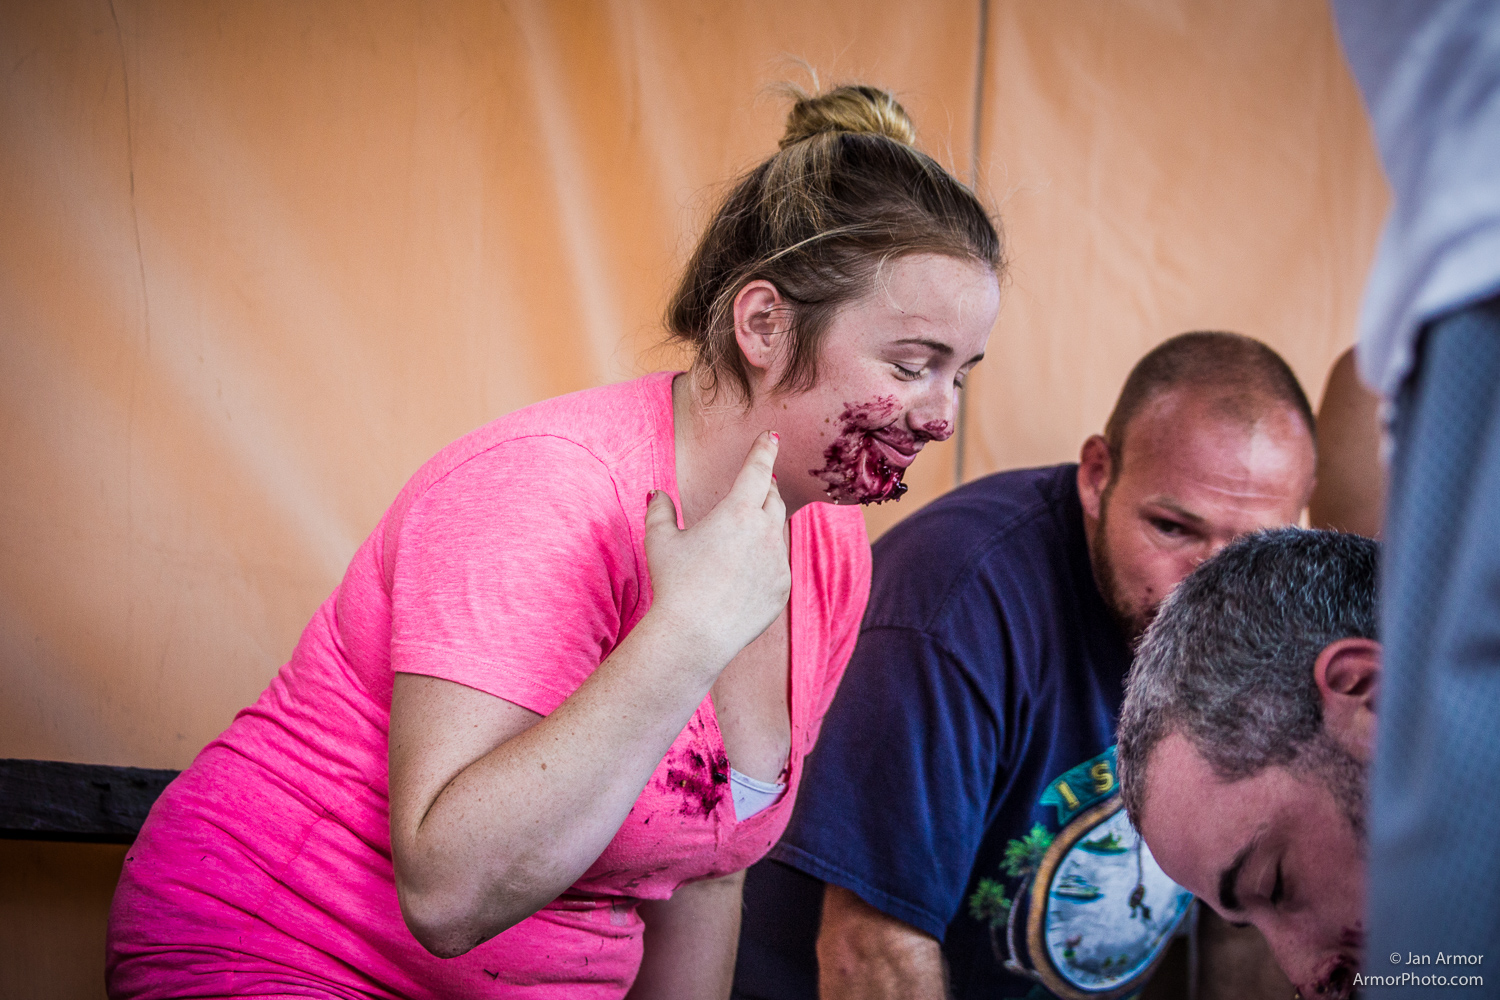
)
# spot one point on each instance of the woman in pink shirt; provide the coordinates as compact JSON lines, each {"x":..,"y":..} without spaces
{"x":562,"y":696}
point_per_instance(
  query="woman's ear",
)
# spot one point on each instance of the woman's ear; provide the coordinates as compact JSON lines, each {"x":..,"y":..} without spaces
{"x":762,"y":317}
{"x":1347,"y":673}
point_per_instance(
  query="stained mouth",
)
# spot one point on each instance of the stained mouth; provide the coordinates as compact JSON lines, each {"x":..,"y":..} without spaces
{"x":864,"y":464}
{"x":1336,"y":984}
{"x":902,"y":450}
{"x":1340,"y":982}
{"x":867,"y":476}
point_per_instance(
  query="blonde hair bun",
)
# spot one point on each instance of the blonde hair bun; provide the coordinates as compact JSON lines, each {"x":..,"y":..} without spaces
{"x":851,"y":108}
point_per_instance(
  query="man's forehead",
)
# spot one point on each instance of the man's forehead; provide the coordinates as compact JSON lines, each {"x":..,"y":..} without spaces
{"x":1183,"y":817}
{"x":1192,"y":495}
{"x":1213,"y":414}
{"x":1175,"y":770}
{"x":1188,"y":462}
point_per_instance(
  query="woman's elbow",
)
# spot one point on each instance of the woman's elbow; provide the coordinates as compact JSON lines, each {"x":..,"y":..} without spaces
{"x":443,"y":928}
{"x":450,"y":923}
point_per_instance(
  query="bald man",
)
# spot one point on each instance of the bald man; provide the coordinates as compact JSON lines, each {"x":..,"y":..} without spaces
{"x":960,"y":820}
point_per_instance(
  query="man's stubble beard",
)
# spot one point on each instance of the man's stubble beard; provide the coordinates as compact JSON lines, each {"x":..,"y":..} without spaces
{"x":1346,"y":777}
{"x":1132,"y":625}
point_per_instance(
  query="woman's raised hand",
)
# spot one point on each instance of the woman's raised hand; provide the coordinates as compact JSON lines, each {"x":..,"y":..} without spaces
{"x":483,"y":831}
{"x":722,"y":582}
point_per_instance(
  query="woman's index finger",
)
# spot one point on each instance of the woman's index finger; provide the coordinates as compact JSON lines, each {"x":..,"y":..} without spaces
{"x":754,"y":479}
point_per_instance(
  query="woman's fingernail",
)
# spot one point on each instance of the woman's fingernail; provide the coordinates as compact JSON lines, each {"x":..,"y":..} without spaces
{"x":773,"y":477}
{"x":775,"y":437}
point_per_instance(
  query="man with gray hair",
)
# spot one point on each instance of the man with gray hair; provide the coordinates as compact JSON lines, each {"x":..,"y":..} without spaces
{"x":1245,"y":737}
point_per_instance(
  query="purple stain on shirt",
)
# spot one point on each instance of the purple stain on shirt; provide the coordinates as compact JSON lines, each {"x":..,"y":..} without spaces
{"x":702,"y":782}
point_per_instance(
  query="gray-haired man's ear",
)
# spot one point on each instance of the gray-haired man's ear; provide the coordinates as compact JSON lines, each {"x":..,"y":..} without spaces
{"x":1347,"y":673}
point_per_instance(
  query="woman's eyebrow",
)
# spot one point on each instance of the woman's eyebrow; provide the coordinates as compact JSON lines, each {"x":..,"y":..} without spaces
{"x":936,"y":346}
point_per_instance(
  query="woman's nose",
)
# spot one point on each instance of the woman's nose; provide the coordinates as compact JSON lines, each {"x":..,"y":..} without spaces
{"x":932,"y":415}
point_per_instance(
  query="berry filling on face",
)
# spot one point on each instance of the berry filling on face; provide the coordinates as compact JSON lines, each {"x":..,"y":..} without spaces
{"x":1335,"y":984}
{"x":857,"y":466}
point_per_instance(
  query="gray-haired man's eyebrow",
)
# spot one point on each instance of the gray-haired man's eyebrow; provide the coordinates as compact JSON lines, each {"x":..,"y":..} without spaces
{"x":1229,"y":878}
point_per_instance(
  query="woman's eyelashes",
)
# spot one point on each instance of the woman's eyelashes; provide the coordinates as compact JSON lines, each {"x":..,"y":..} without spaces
{"x":911,"y":371}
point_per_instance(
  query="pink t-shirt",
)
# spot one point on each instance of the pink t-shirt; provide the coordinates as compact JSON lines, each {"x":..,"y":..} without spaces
{"x":511,"y":563}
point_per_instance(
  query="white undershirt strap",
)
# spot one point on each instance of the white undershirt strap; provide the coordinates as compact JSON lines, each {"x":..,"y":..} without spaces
{"x":752,"y":796}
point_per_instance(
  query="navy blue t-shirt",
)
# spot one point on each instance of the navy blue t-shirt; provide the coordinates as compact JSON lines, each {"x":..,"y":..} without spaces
{"x":964,"y":779}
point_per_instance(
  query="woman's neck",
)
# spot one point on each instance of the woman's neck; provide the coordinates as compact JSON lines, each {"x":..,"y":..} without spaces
{"x":711,"y":438}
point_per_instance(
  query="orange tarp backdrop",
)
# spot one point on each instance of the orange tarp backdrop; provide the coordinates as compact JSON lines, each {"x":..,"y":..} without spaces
{"x":262,"y":260}
{"x":259,"y":261}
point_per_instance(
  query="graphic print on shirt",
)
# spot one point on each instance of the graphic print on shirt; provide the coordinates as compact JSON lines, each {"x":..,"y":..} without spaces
{"x":1080,"y":905}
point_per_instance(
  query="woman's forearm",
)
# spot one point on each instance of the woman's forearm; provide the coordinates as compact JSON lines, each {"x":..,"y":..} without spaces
{"x":691,"y":942}
{"x":481,"y":846}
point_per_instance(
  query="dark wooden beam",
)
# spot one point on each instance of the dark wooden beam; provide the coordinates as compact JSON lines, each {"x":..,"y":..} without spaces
{"x":92,"y":803}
